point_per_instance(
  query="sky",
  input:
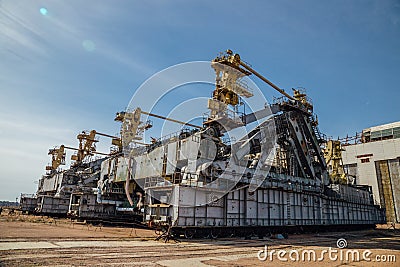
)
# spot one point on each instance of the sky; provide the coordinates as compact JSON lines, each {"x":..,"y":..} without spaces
{"x":68,"y":66}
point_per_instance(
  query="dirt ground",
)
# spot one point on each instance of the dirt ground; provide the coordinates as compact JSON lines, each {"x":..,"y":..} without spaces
{"x":41,"y":241}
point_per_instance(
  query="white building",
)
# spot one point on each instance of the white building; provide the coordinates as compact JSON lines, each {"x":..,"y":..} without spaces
{"x":375,"y":161}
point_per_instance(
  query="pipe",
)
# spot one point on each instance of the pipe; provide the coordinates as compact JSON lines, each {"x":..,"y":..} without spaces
{"x":94,"y":152}
{"x":128,"y":195}
{"x":139,"y":205}
{"x":106,"y":135}
{"x":173,"y":120}
{"x":267,"y":81}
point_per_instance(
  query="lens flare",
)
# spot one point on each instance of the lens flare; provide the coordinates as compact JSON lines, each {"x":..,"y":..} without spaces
{"x":43,"y":11}
{"x":88,"y":45}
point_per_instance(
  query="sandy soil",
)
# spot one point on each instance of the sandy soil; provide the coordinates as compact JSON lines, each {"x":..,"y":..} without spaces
{"x":41,"y":241}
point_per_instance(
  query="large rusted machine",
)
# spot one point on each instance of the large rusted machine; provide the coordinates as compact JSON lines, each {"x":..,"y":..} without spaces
{"x":56,"y":186}
{"x":274,"y":177}
{"x":281,"y":175}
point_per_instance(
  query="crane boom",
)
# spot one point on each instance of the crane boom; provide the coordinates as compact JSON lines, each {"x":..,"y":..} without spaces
{"x":233,"y":60}
{"x":106,"y":135}
{"x":266,"y":80}
{"x":169,"y":119}
{"x":93,"y":152}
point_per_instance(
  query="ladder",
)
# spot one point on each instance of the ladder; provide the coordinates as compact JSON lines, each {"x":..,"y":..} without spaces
{"x":288,"y":208}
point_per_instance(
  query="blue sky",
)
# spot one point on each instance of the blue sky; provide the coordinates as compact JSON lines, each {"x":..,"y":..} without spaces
{"x":73,"y":67}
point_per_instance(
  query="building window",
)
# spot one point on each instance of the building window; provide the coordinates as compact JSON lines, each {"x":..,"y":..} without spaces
{"x":365,"y":160}
{"x":383,"y":134}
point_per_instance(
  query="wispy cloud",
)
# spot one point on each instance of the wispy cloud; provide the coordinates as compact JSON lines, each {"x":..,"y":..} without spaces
{"x":26,"y":33}
{"x":24,"y":140}
{"x":17,"y":38}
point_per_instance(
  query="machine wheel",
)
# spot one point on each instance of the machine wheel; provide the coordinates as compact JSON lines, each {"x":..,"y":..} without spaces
{"x":189,"y":233}
{"x":215,"y":233}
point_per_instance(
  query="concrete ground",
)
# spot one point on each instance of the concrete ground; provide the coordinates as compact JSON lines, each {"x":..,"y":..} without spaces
{"x":41,"y":241}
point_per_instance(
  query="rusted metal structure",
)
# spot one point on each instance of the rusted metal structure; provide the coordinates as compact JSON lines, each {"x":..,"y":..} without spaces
{"x":281,"y":175}
{"x":196,"y":190}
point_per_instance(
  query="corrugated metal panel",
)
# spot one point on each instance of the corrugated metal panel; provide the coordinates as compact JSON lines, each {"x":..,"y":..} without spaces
{"x":394,"y":168}
{"x":171,"y":158}
{"x":51,"y":183}
{"x":269,"y":207}
{"x":122,"y":169}
{"x":151,"y":164}
{"x":385,"y":189}
{"x":189,"y":148}
{"x":105,"y":168}
{"x":112,"y":169}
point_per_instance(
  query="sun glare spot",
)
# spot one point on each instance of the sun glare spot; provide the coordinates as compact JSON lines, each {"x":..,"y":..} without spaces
{"x":88,"y":45}
{"x":43,"y":11}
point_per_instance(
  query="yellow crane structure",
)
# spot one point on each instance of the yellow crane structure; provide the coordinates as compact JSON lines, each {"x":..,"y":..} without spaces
{"x":229,"y":80}
{"x":57,"y":158}
{"x":131,"y":129}
{"x":333,"y":157}
{"x":87,"y":147}
{"x":132,"y":126}
{"x":230,"y":70}
{"x":228,"y":84}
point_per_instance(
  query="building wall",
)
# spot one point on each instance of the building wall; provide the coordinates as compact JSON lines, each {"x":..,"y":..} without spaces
{"x":377,"y":165}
